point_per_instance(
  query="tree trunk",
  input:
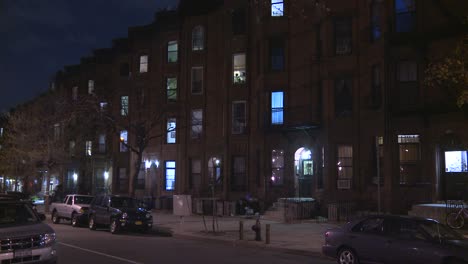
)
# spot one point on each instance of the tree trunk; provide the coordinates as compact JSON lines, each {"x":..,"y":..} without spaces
{"x":47,"y":193}
{"x":135,"y":174}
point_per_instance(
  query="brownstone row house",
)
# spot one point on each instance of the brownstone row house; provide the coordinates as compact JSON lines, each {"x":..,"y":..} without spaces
{"x":275,"y":99}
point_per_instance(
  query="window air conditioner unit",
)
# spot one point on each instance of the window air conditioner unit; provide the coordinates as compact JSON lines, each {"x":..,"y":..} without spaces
{"x":344,"y":184}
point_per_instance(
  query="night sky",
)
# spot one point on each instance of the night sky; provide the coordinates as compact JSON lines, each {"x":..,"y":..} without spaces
{"x":39,"y":37}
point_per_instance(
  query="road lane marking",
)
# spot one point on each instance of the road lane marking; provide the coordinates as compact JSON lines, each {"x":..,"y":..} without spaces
{"x":100,"y":253}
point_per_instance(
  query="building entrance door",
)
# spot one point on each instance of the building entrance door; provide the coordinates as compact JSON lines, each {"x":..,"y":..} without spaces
{"x":304,"y":173}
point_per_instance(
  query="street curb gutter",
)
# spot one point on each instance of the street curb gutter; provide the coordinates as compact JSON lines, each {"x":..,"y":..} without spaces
{"x":253,"y":244}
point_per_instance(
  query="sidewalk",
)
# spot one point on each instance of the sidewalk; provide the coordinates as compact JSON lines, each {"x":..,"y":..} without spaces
{"x":305,"y":237}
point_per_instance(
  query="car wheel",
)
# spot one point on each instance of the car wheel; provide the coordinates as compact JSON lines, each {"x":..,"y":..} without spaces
{"x":92,"y":223}
{"x":347,"y":256}
{"x":74,"y":220}
{"x":114,"y":226}
{"x":55,"y":217}
{"x":455,"y":220}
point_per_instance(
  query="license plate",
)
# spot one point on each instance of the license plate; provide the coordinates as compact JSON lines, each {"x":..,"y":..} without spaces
{"x":22,"y":253}
{"x":138,"y":223}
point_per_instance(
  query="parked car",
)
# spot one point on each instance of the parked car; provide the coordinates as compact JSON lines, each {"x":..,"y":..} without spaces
{"x":19,"y":196}
{"x":395,"y":239}
{"x":23,"y":236}
{"x":74,"y":208}
{"x":119,"y":213}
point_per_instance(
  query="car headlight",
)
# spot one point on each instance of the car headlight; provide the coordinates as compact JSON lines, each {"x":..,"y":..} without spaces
{"x":48,"y":239}
{"x":148,"y":215}
{"x":124,"y":215}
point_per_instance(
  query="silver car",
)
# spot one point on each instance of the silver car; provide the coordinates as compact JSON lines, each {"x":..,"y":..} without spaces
{"x":395,"y":239}
{"x":23,"y":236}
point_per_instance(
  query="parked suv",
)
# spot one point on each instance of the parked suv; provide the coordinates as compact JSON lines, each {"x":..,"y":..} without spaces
{"x":23,"y":236}
{"x":119,"y":213}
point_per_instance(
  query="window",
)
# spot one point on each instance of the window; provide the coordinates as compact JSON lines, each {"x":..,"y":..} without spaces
{"x":71,"y":148}
{"x":277,"y":8}
{"x":375,"y":21}
{"x":89,"y":148}
{"x":195,"y":174}
{"x":197,"y":80}
{"x":143,"y":63}
{"x":343,"y":98}
{"x":170,"y":175}
{"x":75,"y":93}
{"x":344,"y":166}
{"x":277,"y":54}
{"x":277,"y":167}
{"x":410,"y":156}
{"x":405,"y":15}
{"x":102,"y":143}
{"x":239,"y":175}
{"x":239,"y":120}
{"x":198,"y":38}
{"x":123,"y":141}
{"x":103,"y":106}
{"x":379,"y":160}
{"x":376,"y":94}
{"x":90,"y":86}
{"x":197,"y":123}
{"x":456,"y":161}
{"x":277,"y":108}
{"x":172,"y":49}
{"x":171,"y":131}
{"x":343,"y":36}
{"x":214,"y":171}
{"x":124,"y":105}
{"x":171,"y":89}
{"x":407,"y":71}
{"x":239,"y":72}
{"x":57,"y":131}
{"x":238,"y":21}
{"x":370,"y":226}
{"x":123,"y":180}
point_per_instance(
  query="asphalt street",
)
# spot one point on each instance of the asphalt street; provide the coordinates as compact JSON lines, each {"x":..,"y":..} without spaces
{"x":81,"y":245}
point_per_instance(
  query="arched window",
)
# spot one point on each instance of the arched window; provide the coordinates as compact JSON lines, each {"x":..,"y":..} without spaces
{"x":198,"y":35}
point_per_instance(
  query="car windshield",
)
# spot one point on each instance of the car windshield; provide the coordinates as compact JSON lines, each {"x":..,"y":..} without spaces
{"x":438,"y":231}
{"x":123,"y":202}
{"x":83,"y":199}
{"x":16,"y":214}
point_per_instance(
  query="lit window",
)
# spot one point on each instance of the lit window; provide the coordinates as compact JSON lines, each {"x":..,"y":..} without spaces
{"x":90,"y":86}
{"x":410,"y":156}
{"x":197,"y":80}
{"x":89,"y":148}
{"x":197,"y":123}
{"x":456,"y":161}
{"x":102,"y":143}
{"x":171,"y":131}
{"x":172,"y":49}
{"x":405,"y":15}
{"x":344,"y":166}
{"x":277,"y":108}
{"x":198,"y":38}
{"x":277,"y":167}
{"x":239,"y":72}
{"x":103,"y":106}
{"x":123,"y":141}
{"x":170,"y":175}
{"x":277,"y":8}
{"x":124,"y":105}
{"x":143,"y":63}
{"x":75,"y":93}
{"x":343,"y":36}
{"x":171,"y":89}
{"x":239,"y":119}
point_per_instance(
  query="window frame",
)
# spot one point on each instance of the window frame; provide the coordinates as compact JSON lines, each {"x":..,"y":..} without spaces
{"x":193,"y":81}
{"x":168,"y":168}
{"x":196,"y":124}
{"x":277,"y":60}
{"x":278,"y":167}
{"x":143,"y":63}
{"x":343,"y":103}
{"x":375,"y":21}
{"x":345,"y":163}
{"x":170,"y":52}
{"x":274,"y":109}
{"x":277,"y":12}
{"x":171,"y":132}
{"x":123,"y":141}
{"x":124,"y":105}
{"x":88,"y":148}
{"x":241,"y":129}
{"x":171,"y":94}
{"x":403,"y":28}
{"x":342,"y":36}
{"x":242,"y":77}
{"x":239,"y":177}
{"x":405,"y":143}
{"x":198,"y":38}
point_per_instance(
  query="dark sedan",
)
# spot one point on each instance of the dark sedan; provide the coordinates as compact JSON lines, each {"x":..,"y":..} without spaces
{"x":395,"y":239}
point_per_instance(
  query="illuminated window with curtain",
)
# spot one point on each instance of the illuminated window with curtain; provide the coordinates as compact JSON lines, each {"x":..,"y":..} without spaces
{"x":239,"y":72}
{"x":410,"y":157}
{"x":170,"y":175}
{"x":344,"y":166}
{"x":89,"y":148}
{"x":405,"y":15}
{"x":171,"y":89}
{"x":196,"y":124}
{"x":198,"y":35}
{"x":124,"y":105}
{"x":143,"y":63}
{"x":277,"y":108}
{"x":123,"y":141}
{"x":90,"y":86}
{"x":172,"y":51}
{"x":171,"y":131}
{"x":277,"y":8}
{"x":277,"y":167}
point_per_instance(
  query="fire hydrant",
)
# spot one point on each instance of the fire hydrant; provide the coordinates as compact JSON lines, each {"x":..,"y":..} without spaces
{"x":257,"y":228}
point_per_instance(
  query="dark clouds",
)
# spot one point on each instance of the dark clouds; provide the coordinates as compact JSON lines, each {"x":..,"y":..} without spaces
{"x":39,"y":37}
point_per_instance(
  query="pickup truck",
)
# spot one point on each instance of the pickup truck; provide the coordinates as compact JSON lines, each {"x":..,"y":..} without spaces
{"x":74,"y":207}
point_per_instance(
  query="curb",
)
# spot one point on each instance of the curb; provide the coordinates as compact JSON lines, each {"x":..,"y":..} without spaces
{"x":252,"y":244}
